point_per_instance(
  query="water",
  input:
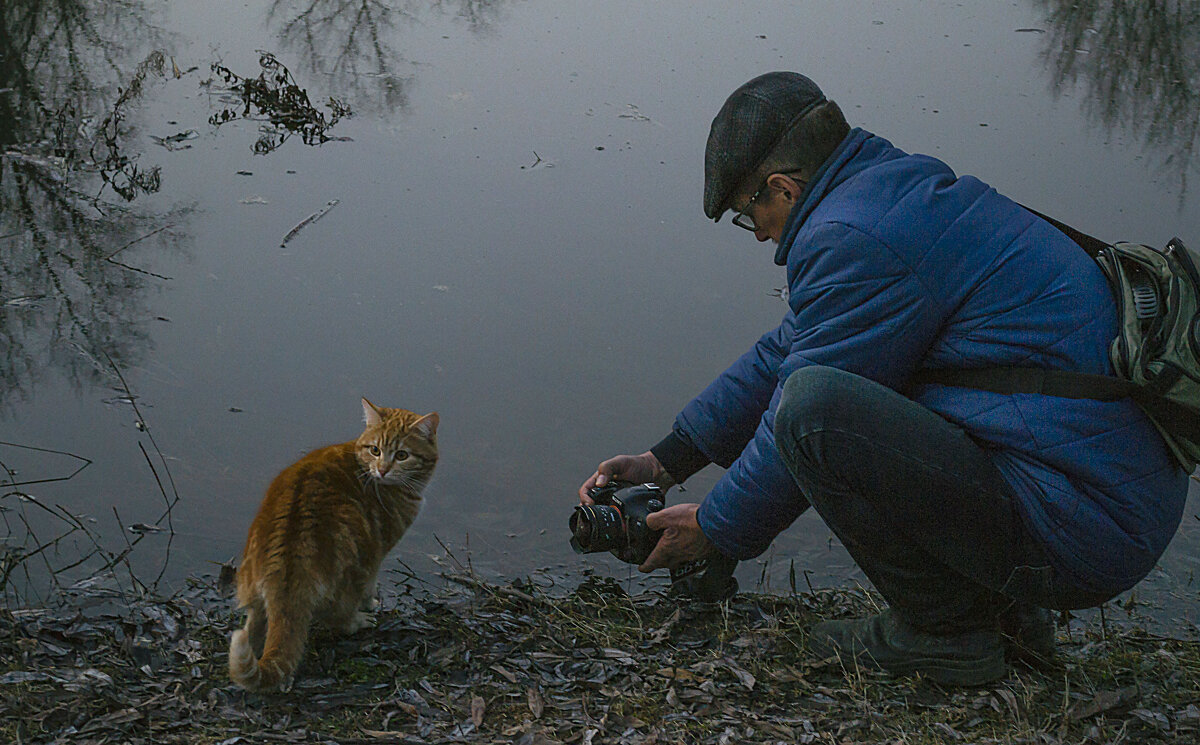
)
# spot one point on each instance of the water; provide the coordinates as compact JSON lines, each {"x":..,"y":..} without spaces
{"x":517,"y":242}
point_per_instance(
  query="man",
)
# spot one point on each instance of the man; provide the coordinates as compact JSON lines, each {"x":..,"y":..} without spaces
{"x":970,"y":511}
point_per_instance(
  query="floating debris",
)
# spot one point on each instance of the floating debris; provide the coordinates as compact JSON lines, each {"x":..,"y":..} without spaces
{"x":634,"y":114}
{"x":140,"y":528}
{"x":538,"y":162}
{"x":121,"y":399}
{"x":174,"y":142}
{"x":275,"y":95}
{"x":309,"y":221}
{"x":120,"y":171}
{"x":22,"y":301}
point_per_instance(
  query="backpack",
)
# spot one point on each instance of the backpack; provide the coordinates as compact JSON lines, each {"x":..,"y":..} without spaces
{"x":1156,"y":353}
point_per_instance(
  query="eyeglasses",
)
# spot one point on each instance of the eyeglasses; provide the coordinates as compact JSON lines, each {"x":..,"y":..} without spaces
{"x":743,"y":220}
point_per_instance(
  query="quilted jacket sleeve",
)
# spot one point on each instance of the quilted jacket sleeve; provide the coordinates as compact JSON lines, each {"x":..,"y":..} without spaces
{"x":722,"y":419}
{"x":857,"y":306}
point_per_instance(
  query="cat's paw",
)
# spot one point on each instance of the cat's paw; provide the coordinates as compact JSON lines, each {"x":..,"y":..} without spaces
{"x":370,"y":604}
{"x":359,"y":622}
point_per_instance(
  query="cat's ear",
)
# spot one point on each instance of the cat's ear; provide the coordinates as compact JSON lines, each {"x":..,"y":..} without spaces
{"x":427,"y":425}
{"x":372,"y":416}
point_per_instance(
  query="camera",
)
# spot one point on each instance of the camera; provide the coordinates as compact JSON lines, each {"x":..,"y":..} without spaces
{"x":617,"y":521}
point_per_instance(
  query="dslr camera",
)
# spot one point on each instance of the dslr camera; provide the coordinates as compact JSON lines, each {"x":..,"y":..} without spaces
{"x":616,"y":523}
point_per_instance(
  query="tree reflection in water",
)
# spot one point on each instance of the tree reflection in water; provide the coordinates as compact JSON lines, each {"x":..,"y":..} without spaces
{"x":1138,"y":65}
{"x":70,"y":297}
{"x":353,"y":42}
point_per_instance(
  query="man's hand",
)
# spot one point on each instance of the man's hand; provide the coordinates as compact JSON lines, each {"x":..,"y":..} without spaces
{"x":636,"y":469}
{"x":682,"y":540}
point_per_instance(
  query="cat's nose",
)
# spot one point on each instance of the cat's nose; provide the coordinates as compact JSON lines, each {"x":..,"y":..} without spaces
{"x":382,"y":469}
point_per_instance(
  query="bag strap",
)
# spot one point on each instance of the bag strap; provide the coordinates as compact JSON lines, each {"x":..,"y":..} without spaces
{"x":1060,"y":383}
{"x":1091,"y":245}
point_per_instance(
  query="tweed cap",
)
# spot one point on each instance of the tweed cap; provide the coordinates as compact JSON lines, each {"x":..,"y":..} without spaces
{"x":753,"y":121}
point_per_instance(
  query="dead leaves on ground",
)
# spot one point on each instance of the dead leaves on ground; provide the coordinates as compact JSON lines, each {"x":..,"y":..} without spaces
{"x":485,"y":665}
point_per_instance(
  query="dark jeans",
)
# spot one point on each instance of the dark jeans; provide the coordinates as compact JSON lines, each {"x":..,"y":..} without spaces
{"x":916,"y":502}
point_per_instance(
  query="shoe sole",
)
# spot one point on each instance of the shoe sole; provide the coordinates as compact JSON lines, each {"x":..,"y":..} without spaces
{"x":950,"y":672}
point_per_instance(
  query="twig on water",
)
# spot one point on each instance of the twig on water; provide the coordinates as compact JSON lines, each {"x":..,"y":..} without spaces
{"x":171,"y":500}
{"x":137,"y":583}
{"x":308,"y":221}
{"x":137,"y":240}
{"x":14,"y":484}
{"x":139,"y":271}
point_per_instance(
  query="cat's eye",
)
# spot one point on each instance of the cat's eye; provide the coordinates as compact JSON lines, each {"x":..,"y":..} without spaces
{"x":402,"y":455}
{"x":373,"y":450}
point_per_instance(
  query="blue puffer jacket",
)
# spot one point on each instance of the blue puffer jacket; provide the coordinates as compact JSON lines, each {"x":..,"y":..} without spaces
{"x":895,"y":264}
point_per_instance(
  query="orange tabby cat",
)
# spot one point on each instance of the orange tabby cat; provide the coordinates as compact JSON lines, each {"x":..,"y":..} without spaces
{"x":318,"y":539}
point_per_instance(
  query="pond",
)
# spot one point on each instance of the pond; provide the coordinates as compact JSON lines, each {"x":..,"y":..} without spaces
{"x":507,"y":230}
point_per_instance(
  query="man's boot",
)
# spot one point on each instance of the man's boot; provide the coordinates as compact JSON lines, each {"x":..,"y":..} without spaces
{"x":886,"y":642}
{"x":1028,"y":633}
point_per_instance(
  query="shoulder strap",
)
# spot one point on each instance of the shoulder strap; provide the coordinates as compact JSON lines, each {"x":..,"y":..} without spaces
{"x":1061,"y":383}
{"x":1093,"y":246}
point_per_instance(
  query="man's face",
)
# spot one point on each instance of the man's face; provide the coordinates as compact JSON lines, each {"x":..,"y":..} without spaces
{"x":769,"y":211}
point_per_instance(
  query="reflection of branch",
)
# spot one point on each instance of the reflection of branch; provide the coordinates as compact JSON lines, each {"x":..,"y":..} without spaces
{"x":169,"y":501}
{"x":347,"y":40}
{"x":119,"y":170}
{"x":14,"y":484}
{"x":1139,"y":64}
{"x":63,"y":66}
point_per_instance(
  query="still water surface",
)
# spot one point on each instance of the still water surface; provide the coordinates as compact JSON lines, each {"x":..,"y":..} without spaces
{"x":517,"y":240}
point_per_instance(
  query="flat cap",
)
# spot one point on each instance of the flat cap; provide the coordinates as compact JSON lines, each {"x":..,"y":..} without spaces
{"x":747,"y":129}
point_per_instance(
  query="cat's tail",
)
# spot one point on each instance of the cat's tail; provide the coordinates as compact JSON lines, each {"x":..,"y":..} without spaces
{"x":287,"y":633}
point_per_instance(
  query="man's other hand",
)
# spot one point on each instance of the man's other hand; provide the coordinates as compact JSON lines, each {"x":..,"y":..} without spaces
{"x":682,"y":540}
{"x":636,"y":469}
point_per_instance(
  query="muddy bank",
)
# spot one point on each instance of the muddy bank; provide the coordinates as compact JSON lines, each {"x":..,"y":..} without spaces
{"x":476,"y":662}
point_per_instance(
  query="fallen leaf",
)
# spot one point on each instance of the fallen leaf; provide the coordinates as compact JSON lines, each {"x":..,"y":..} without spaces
{"x":1101,"y":702}
{"x":744,"y":677}
{"x":477,"y":708}
{"x":504,"y":672}
{"x":678,"y":673}
{"x":536,"y":704}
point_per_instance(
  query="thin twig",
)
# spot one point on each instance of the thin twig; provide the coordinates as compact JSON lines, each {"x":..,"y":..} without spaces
{"x":136,"y":240}
{"x":86,"y":463}
{"x":139,"y":271}
{"x":308,"y":221}
{"x":174,"y":498}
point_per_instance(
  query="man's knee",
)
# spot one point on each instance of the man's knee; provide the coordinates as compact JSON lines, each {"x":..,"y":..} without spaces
{"x":813,"y":400}
{"x":812,"y":397}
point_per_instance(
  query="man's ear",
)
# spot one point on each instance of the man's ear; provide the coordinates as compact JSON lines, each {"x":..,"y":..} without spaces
{"x":786,"y":185}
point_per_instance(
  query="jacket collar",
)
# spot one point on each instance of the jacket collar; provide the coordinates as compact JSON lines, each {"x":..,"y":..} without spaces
{"x":827,"y":176}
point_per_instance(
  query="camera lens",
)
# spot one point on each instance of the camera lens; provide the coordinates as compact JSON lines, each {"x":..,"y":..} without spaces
{"x":596,"y":528}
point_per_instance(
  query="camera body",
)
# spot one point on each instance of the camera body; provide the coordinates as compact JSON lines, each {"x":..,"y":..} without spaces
{"x":617,"y":521}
